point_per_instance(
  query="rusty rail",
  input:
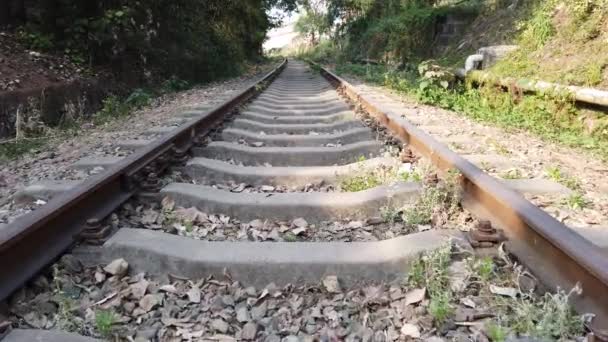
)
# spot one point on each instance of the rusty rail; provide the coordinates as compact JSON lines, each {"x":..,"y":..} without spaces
{"x":558,"y":256}
{"x":35,"y":240}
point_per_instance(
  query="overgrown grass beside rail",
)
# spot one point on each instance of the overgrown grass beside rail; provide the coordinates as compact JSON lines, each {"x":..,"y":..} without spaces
{"x":557,"y":120}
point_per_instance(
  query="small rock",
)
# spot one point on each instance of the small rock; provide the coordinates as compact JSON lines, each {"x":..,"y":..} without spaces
{"x":242,"y":314}
{"x":194,"y":295}
{"x":267,"y":188}
{"x":138,"y":290}
{"x":71,"y":263}
{"x":300,"y":223}
{"x":298,"y":231}
{"x":168,"y":288}
{"x":331,"y":284}
{"x":256,"y":224}
{"x":468,"y":302}
{"x":128,"y":307}
{"x":503,"y":291}
{"x":274,"y":235}
{"x":219,"y":325}
{"x":148,"y":302}
{"x":415,"y":296}
{"x":272,"y":338}
{"x":258,"y":312}
{"x":100,"y":277}
{"x":374,"y":220}
{"x":258,"y":144}
{"x":239,"y":188}
{"x":526,"y":283}
{"x":117,"y":267}
{"x":249,"y":331}
{"x":355,"y":224}
{"x":147,"y":334}
{"x":410,"y":330}
{"x":458,"y":273}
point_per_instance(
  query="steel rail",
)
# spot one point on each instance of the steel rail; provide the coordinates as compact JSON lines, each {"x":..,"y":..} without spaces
{"x":558,"y":256}
{"x":35,"y":240}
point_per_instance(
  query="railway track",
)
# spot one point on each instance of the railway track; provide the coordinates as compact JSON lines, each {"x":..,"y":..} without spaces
{"x":251,"y":188}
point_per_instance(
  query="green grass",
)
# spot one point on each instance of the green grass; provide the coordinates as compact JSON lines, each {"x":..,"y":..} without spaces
{"x":441,"y":197}
{"x":512,"y":174}
{"x":431,"y":271}
{"x":528,"y":316}
{"x":104,"y":322}
{"x":576,"y":201}
{"x":496,"y":332}
{"x":390,"y":214}
{"x":556,"y":174}
{"x":13,"y":149}
{"x":364,"y":179}
{"x":360,"y":182}
{"x":484,"y":268}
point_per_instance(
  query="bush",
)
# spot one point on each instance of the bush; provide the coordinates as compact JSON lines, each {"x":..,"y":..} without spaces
{"x":191,"y":39}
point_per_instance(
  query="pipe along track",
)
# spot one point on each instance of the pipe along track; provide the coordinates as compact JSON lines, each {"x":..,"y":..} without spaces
{"x":298,"y":103}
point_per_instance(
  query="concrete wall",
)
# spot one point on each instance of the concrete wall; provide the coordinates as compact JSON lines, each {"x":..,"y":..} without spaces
{"x":451,"y":28}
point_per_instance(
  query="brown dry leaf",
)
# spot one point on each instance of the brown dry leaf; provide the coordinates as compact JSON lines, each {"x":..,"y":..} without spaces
{"x":168,"y":203}
{"x":168,"y":288}
{"x":191,"y":215}
{"x":503,"y":291}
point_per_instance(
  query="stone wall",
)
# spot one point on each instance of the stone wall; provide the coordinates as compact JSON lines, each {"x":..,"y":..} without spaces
{"x":451,"y":28}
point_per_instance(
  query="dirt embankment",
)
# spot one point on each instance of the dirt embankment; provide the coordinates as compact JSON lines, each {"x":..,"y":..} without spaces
{"x":559,"y":41}
{"x":43,"y":87}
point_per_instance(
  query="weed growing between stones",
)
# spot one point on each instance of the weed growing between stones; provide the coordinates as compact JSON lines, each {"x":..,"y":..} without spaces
{"x":437,"y":203}
{"x":513,"y":173}
{"x":576,"y":201}
{"x":552,"y":119}
{"x":495,"y":292}
{"x":556,"y":174}
{"x":366,"y":179}
{"x":104,"y":322}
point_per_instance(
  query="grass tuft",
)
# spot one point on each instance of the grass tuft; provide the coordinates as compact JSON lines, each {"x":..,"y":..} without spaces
{"x":104,"y":322}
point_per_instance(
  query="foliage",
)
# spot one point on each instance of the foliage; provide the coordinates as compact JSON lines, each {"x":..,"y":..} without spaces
{"x":363,"y":179}
{"x":138,"y":98}
{"x":312,"y":23}
{"x":484,"y":268}
{"x":193,"y":40}
{"x":35,"y":40}
{"x":393,"y":30}
{"x":559,"y":176}
{"x":442,"y":197}
{"x":528,"y":316}
{"x":175,"y":84}
{"x":12,"y":149}
{"x":431,"y":271}
{"x":560,"y":41}
{"x":576,"y":201}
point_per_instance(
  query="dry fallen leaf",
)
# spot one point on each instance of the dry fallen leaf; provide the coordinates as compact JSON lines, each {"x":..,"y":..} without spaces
{"x":503,"y":291}
{"x":168,"y":203}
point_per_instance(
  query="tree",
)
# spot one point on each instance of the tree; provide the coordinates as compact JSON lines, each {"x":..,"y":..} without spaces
{"x":313,"y":23}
